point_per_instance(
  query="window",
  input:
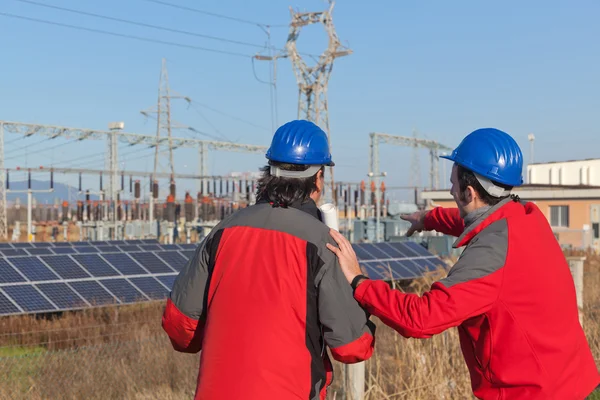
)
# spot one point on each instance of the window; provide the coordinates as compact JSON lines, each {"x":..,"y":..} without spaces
{"x":596,"y":229}
{"x":559,"y":216}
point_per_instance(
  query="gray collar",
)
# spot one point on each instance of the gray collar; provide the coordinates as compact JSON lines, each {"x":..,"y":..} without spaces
{"x":476,"y":217}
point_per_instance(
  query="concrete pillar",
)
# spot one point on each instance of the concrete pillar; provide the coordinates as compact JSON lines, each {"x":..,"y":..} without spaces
{"x":576,"y":266}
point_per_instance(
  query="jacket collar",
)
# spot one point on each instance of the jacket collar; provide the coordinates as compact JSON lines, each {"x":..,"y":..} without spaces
{"x":481,"y":218}
{"x":309,"y":207}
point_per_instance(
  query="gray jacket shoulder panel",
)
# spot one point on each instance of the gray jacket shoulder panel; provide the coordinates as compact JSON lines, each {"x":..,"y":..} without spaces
{"x":484,"y":255}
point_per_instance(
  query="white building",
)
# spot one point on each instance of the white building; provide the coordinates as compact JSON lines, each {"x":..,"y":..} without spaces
{"x":576,"y":172}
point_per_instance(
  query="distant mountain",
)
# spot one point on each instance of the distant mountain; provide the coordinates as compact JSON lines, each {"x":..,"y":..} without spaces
{"x":61,"y":192}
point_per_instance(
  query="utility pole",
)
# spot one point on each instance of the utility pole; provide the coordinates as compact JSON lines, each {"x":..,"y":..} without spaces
{"x":112,"y":165}
{"x":3,"y":219}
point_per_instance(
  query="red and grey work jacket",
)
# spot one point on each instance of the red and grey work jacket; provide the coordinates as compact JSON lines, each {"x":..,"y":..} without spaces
{"x":512,"y":297}
{"x":262,"y":298}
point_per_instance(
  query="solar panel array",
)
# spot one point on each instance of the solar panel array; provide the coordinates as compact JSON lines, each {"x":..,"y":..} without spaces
{"x":395,"y":260}
{"x":63,"y":276}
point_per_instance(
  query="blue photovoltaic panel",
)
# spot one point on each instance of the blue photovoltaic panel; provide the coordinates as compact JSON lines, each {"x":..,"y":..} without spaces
{"x":33,"y":268}
{"x":189,"y":254}
{"x":167,"y":280}
{"x":79,"y":244}
{"x":8,"y":274}
{"x":86,"y":249}
{"x":124,"y":264}
{"x":38,"y":251}
{"x":129,"y":248}
{"x":170,"y":247}
{"x":152,"y":263}
{"x":134,"y":241}
{"x":149,"y":247}
{"x":42,"y":244}
{"x":64,"y":250}
{"x":406,"y":250}
{"x":417,"y":248}
{"x":189,"y":246}
{"x":28,"y":298}
{"x":109,"y":249}
{"x":173,"y":258}
{"x":151,"y":287}
{"x":149,"y":241}
{"x":63,"y":244}
{"x":13,"y":252}
{"x":5,"y":246}
{"x":95,"y":265}
{"x":100,"y":244}
{"x":22,"y":245}
{"x":361,"y":253}
{"x":123,"y":290}
{"x":62,"y":295}
{"x":6,"y":307}
{"x":65,"y":266}
{"x":116,"y":242}
{"x":95,"y":294}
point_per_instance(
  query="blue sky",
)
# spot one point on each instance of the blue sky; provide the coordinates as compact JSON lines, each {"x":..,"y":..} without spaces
{"x":443,"y":68}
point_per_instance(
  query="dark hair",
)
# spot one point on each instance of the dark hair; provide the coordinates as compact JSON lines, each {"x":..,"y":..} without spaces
{"x":467,"y":178}
{"x":283,"y":192}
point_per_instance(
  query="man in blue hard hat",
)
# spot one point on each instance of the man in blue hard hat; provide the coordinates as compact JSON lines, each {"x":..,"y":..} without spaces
{"x":511,"y":294}
{"x":262,"y":297}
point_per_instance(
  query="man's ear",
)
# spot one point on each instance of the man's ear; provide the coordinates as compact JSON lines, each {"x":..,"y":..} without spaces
{"x":471,"y":194}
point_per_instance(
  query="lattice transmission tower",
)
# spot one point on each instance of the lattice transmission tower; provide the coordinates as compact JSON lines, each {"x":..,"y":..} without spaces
{"x":313,"y":80}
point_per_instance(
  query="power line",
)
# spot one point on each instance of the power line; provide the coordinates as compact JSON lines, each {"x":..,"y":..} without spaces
{"x":122,"y":35}
{"x":229,"y":115}
{"x":212,"y":14}
{"x":142,"y":24}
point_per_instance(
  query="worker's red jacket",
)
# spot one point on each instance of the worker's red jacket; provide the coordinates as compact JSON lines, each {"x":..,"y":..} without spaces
{"x":512,"y":297}
{"x":262,"y":297}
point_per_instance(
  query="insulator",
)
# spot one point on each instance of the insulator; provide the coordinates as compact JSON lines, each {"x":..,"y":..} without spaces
{"x":137,"y":191}
{"x":100,"y":182}
{"x":155,"y":190}
{"x":51,"y":179}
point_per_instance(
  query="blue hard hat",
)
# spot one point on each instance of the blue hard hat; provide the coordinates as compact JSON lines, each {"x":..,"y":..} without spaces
{"x":491,"y":153}
{"x":300,"y":142}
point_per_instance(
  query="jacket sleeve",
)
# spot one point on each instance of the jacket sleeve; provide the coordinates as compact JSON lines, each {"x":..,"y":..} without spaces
{"x":346,"y":326}
{"x":470,"y":289}
{"x":445,"y":220}
{"x":184,"y":315}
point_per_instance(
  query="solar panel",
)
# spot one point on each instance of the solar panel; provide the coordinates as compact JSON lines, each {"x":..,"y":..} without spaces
{"x":188,"y":246}
{"x":149,"y":247}
{"x":42,"y":244}
{"x":108,"y":249}
{"x":188,"y":254}
{"x":93,"y":293}
{"x":170,"y":247}
{"x":65,"y":266}
{"x":33,"y":268}
{"x":8,"y":274}
{"x":5,"y":246}
{"x":37,"y":251}
{"x":395,"y":260}
{"x":95,"y":265}
{"x":129,"y":248}
{"x":167,"y":280}
{"x":6,"y":306}
{"x":173,"y":258}
{"x":19,"y":245}
{"x":87,"y":249}
{"x":63,"y":244}
{"x":64,"y":250}
{"x":28,"y":298}
{"x":124,"y":264}
{"x":152,"y":263}
{"x":151,"y":287}
{"x":62,"y":295}
{"x":13,"y":252}
{"x":123,"y":290}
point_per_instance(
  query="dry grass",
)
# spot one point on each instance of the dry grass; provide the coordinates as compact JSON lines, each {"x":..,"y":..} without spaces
{"x":122,"y":353}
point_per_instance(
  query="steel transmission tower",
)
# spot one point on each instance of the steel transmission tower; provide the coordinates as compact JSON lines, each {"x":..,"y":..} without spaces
{"x":313,"y":81}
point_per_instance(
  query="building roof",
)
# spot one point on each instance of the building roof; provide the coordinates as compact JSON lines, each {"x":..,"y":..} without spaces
{"x":533,"y":192}
{"x":566,"y":161}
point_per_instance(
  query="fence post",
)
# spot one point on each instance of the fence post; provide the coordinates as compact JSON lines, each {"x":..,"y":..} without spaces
{"x":576,"y":267}
{"x":355,"y":381}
